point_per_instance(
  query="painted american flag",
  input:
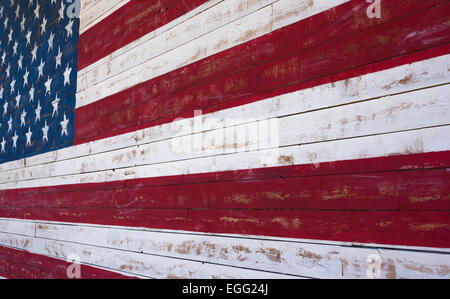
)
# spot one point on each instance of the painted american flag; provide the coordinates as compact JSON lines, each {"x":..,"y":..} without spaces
{"x":224,"y":138}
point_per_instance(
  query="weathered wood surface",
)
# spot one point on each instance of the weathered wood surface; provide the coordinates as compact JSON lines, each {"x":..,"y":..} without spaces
{"x":165,"y":254}
{"x":359,"y":172}
{"x":329,"y":112}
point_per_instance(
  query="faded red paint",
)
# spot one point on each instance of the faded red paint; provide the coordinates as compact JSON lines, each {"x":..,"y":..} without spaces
{"x":134,"y":20}
{"x":19,"y":264}
{"x":402,"y":200}
{"x":289,"y":59}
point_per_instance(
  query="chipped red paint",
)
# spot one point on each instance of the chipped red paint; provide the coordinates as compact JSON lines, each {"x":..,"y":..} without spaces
{"x":132,"y":21}
{"x":292,"y":58}
{"x":19,"y":264}
{"x":400,"y":200}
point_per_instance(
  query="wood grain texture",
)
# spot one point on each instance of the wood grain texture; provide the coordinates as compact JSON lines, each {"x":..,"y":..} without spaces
{"x":94,"y":85}
{"x":415,"y":76}
{"x":252,"y":72}
{"x":19,"y":264}
{"x":402,"y":112}
{"x":234,"y":254}
{"x":389,"y":207}
{"x":360,"y":170}
{"x":133,"y":20}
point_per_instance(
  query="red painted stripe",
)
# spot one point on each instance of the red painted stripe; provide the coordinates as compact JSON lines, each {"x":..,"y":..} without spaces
{"x":304,"y":201}
{"x":324,"y":48}
{"x":19,"y":264}
{"x":130,"y":22}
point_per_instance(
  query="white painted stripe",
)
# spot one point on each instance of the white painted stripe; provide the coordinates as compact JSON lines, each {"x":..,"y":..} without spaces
{"x":94,"y":11}
{"x":132,"y":263}
{"x":147,"y":37}
{"x":422,"y":74}
{"x":231,"y":255}
{"x":183,"y":44}
{"x":150,"y":152}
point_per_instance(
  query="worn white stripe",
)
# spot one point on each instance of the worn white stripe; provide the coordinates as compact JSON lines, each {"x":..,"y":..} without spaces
{"x":139,"y":251}
{"x":188,"y":42}
{"x":332,"y":112}
{"x":431,"y":72}
{"x":94,"y":11}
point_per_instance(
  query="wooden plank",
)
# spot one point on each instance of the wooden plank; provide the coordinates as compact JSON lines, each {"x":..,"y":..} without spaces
{"x":418,"y":75}
{"x":196,"y":50}
{"x":245,"y":29}
{"x":135,"y":19}
{"x":94,"y":11}
{"x":416,"y":141}
{"x":19,"y":264}
{"x":414,"y":110}
{"x":173,"y":95}
{"x":417,"y":190}
{"x":145,"y":38}
{"x":293,"y":256}
{"x":132,"y":263}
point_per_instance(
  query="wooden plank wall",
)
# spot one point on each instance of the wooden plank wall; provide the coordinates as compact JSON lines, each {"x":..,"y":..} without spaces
{"x":211,"y":240}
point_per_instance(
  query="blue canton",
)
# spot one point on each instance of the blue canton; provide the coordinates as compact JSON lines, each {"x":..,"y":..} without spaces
{"x":38,"y":75}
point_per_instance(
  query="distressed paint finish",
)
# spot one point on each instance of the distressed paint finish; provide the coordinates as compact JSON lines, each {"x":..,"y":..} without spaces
{"x":396,"y":209}
{"x":136,"y":18}
{"x":19,"y":264}
{"x":382,"y":115}
{"x":303,"y":258}
{"x":206,"y":83}
{"x":95,"y":86}
{"x":362,"y":108}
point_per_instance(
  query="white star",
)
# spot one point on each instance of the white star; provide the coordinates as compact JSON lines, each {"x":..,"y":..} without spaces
{"x":15,"y":137}
{"x":44,"y":23}
{"x":31,"y":92}
{"x":55,"y":104}
{"x":28,"y":134}
{"x":67,"y":75}
{"x":41,"y":69}
{"x":45,"y":132}
{"x":1,"y":92}
{"x":3,"y":58}
{"x":69,"y":28}
{"x":22,"y":118}
{"x":5,"y":23}
{"x":48,"y":84}
{"x":36,"y":11}
{"x":22,"y":23}
{"x":5,"y":108}
{"x":58,"y":58}
{"x":25,"y":77}
{"x":3,"y":143}
{"x":17,"y":98}
{"x":33,"y":52}
{"x":9,"y":124}
{"x":11,"y":31}
{"x":38,"y":112}
{"x":50,"y":41}
{"x":19,"y":62}
{"x":30,"y":2}
{"x":13,"y":83}
{"x":28,"y":37}
{"x":8,"y":70}
{"x":64,"y":124}
{"x":61,"y":11}
{"x":15,"y":48}
{"x":1,"y":11}
{"x":17,"y":11}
